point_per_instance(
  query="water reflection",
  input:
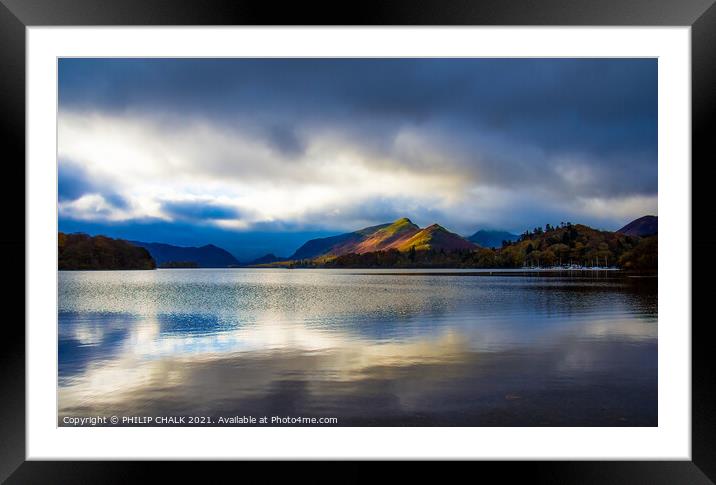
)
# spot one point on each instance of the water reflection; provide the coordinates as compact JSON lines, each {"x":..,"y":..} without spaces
{"x":369,"y":349}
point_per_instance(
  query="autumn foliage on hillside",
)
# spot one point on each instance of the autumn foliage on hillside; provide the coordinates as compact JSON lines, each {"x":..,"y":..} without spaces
{"x":571,"y":244}
{"x":564,"y":245}
{"x":83,"y":252}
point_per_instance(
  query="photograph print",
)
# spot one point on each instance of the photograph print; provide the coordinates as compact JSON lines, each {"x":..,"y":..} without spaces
{"x":357,"y":242}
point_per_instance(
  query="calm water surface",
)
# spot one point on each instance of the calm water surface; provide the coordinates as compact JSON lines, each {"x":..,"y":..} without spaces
{"x":370,"y":348}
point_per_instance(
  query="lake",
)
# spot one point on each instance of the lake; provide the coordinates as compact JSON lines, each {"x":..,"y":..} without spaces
{"x":362,"y":347}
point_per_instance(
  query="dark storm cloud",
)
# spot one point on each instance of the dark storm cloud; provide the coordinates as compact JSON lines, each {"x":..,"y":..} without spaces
{"x":285,"y":140}
{"x":602,"y":107}
{"x":552,"y":139}
{"x":73,"y":182}
{"x":199,"y":210}
{"x":493,"y":90}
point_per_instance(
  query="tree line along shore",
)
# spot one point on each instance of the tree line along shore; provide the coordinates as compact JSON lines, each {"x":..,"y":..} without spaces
{"x":564,"y":246}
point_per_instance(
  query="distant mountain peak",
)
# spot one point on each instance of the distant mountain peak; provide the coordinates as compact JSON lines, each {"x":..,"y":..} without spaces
{"x":492,"y":238}
{"x":643,"y":226}
{"x":266,"y":259}
{"x":403,"y":220}
{"x":401,"y":224}
{"x":437,"y":237}
{"x":401,"y":234}
{"x":207,"y":256}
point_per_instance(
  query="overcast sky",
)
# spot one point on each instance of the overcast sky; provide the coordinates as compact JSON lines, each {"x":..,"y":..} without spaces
{"x":257,"y":155}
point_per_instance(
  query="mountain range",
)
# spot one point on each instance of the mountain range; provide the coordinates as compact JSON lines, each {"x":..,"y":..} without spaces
{"x":397,"y":244}
{"x":208,"y":256}
{"x":402,"y":235}
{"x":565,"y":246}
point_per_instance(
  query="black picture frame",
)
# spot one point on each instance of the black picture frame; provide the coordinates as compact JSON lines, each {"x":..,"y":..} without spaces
{"x":16,"y":15}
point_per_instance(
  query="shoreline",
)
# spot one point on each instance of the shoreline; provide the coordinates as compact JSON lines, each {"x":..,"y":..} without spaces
{"x":546,"y":272}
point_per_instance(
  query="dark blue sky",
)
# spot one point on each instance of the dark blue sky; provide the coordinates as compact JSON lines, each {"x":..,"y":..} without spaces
{"x":257,"y":154}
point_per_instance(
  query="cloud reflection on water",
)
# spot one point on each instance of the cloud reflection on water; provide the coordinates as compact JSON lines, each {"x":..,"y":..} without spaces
{"x":428,"y":363}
